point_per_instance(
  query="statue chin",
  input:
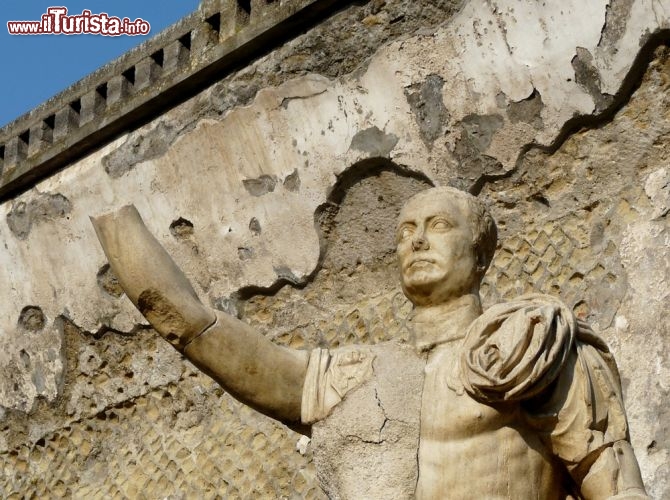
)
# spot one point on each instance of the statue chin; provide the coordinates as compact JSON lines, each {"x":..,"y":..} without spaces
{"x":421,"y":289}
{"x":426,"y":288}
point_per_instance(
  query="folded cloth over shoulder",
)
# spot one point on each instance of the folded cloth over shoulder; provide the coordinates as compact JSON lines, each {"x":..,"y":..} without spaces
{"x":535,"y":352}
{"x":516,"y":349}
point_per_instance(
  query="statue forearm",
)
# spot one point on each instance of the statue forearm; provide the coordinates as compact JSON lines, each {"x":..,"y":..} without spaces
{"x":150,"y":278}
{"x":253,"y":369}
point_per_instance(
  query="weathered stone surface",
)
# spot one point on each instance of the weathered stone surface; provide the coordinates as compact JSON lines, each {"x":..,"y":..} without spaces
{"x":587,"y":221}
{"x":262,"y":185}
{"x":374,"y":142}
{"x":109,"y":282}
{"x":41,"y":208}
{"x":657,"y":188}
{"x":139,"y":148}
{"x":428,"y":107}
{"x":374,"y":431}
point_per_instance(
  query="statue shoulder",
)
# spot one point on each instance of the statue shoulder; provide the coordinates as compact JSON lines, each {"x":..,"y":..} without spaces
{"x":330,"y":375}
{"x":516,"y":349}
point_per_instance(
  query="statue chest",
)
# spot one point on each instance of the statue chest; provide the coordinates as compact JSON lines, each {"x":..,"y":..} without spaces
{"x":411,"y":431}
{"x":448,"y":413}
{"x":473,"y":450}
{"x":367,"y":447}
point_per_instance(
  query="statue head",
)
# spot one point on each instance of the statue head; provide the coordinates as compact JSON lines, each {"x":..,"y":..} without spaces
{"x":445,"y":242}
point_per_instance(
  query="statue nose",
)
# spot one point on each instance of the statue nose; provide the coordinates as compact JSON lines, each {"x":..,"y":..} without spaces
{"x":419,"y":243}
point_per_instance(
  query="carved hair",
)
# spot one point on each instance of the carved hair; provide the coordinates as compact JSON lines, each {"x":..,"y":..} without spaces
{"x":484,"y":228}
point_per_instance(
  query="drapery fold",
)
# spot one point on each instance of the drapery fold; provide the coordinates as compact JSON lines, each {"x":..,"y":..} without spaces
{"x":516,"y":349}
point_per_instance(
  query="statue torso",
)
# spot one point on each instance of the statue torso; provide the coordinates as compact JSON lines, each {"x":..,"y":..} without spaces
{"x":471,"y":450}
{"x":409,"y":430}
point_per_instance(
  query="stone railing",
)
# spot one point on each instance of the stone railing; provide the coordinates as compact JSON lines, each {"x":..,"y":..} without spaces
{"x":167,"y":69}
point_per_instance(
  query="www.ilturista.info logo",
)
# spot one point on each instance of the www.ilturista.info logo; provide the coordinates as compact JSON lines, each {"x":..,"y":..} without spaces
{"x":56,"y":22}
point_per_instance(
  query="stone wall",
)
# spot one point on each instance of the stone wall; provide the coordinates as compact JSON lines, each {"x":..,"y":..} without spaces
{"x":276,"y":188}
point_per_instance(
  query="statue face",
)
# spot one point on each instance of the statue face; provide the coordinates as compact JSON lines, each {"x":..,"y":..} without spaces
{"x":435,"y":247}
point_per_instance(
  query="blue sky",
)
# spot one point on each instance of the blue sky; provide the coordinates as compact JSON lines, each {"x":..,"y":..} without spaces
{"x":37,"y":67}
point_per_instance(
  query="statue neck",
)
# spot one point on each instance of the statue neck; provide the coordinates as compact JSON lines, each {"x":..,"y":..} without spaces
{"x":446,"y":322}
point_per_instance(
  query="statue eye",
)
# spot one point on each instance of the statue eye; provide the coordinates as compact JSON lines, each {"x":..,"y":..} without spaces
{"x":405,"y":232}
{"x":441,"y":224}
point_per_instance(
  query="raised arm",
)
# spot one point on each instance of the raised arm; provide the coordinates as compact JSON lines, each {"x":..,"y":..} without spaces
{"x":259,"y":373}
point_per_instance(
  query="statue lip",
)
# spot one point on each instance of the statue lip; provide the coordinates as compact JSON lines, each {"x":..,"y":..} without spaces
{"x":421,"y":260}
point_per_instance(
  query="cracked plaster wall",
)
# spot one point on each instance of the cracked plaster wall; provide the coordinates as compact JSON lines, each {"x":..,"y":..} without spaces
{"x":291,"y":171}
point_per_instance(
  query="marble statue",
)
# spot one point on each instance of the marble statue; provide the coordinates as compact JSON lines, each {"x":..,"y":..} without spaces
{"x":519,"y":401}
